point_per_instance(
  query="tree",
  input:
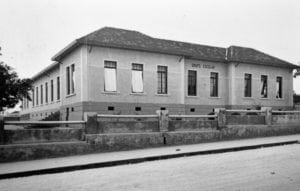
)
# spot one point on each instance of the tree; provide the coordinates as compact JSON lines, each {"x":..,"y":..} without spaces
{"x":12,"y":88}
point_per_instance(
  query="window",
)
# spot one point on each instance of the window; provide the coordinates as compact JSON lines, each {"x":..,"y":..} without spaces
{"x":162,"y":79}
{"x":279,"y":87}
{"x":110,"y":76}
{"x":46,"y":92}
{"x":214,"y":78}
{"x":264,"y":86}
{"x":192,"y":83}
{"x":247,"y":88}
{"x":42,"y":94}
{"x":52,"y":93}
{"x":33,"y":97}
{"x":73,"y":78}
{"x":37,"y":95}
{"x":70,"y":80}
{"x":58,"y":88}
{"x":137,"y":78}
{"x":138,"y":109}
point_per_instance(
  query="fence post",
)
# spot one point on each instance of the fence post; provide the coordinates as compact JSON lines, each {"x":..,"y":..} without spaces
{"x":2,"y":131}
{"x":268,"y":115}
{"x":163,"y":120}
{"x":221,"y":112}
{"x":91,"y":123}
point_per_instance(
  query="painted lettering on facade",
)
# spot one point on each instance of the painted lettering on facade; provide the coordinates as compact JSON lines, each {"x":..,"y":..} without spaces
{"x":206,"y":66}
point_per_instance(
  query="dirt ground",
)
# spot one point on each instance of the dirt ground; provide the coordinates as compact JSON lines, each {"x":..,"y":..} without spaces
{"x":274,"y":168}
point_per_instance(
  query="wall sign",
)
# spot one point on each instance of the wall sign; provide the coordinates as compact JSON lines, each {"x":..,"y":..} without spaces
{"x":206,"y":66}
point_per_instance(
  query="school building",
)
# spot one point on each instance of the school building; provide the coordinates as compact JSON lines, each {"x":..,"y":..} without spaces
{"x":117,"y":71}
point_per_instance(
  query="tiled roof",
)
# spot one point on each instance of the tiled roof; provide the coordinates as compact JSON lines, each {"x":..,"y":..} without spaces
{"x":250,"y":55}
{"x":120,"y":38}
{"x":134,"y":40}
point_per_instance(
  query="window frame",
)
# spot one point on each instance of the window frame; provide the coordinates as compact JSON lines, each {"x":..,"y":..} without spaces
{"x":46,"y":92}
{"x":70,"y":79}
{"x":194,"y":92}
{"x":42,"y":94}
{"x":280,"y":87}
{"x":58,"y":88}
{"x":261,"y":88}
{"x":116,"y":77}
{"x":215,"y":91}
{"x":160,"y":89}
{"x":136,"y":69}
{"x":249,"y":94}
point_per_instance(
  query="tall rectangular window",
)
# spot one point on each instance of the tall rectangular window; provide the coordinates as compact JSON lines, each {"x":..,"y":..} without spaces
{"x":46,"y":92}
{"x":137,"y":78}
{"x":279,"y":87}
{"x":58,"y":88}
{"x":247,"y":83}
{"x":42,"y":94}
{"x":214,"y":78}
{"x":33,"y":97}
{"x":192,"y":83}
{"x":68,"y":80}
{"x":37,"y":95}
{"x":51,"y":91}
{"x":264,"y":86}
{"x":162,"y":79}
{"x":110,"y":76}
{"x":73,"y":78}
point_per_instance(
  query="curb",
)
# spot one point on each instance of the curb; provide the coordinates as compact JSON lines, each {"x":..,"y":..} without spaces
{"x":136,"y":160}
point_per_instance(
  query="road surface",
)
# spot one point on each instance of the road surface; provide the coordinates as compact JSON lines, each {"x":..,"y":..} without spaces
{"x":274,"y":168}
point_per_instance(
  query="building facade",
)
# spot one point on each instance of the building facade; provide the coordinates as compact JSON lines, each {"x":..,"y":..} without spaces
{"x":116,"y":71}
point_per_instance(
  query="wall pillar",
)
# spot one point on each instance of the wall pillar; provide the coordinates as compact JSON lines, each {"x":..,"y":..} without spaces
{"x":92,"y":126}
{"x":163,"y":120}
{"x":268,"y":115}
{"x":221,"y":112}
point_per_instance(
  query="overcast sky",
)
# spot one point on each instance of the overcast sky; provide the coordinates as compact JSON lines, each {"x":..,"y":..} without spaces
{"x":32,"y":31}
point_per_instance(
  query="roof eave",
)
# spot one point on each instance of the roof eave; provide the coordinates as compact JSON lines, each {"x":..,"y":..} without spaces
{"x":58,"y":56}
{"x":285,"y":65}
{"x":45,"y":70}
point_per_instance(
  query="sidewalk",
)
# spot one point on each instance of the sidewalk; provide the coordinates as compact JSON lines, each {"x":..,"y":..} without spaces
{"x":63,"y":164}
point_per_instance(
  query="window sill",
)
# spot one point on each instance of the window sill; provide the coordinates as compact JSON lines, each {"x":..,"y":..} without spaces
{"x":279,"y":99}
{"x":193,"y":97}
{"x":164,"y":95}
{"x":250,"y":98}
{"x":70,"y":95}
{"x":214,"y":97}
{"x":264,"y":98}
{"x":58,"y":101}
{"x":111,"y":93}
{"x":138,"y":94}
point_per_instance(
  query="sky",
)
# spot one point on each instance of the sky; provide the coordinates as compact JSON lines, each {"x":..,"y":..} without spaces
{"x":32,"y":31}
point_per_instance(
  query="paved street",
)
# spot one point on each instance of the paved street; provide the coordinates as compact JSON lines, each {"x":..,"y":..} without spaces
{"x":274,"y":168}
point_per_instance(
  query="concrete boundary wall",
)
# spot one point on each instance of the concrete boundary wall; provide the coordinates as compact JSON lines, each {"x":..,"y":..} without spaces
{"x":114,"y":133}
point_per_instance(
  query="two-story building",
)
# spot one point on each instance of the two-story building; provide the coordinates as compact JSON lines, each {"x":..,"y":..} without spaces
{"x":120,"y":71}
